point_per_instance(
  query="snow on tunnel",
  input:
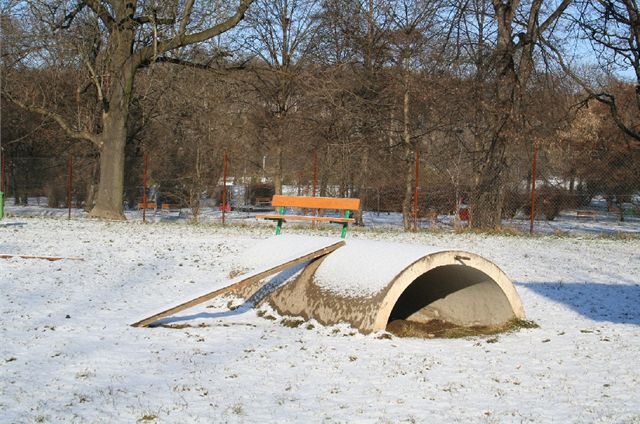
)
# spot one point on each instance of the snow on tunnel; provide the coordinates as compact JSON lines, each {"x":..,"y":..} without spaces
{"x":369,"y":284}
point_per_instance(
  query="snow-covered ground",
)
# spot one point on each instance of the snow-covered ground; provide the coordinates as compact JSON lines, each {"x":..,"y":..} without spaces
{"x":567,"y":222}
{"x":68,"y":354}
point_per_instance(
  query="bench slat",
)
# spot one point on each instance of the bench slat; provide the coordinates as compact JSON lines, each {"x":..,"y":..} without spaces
{"x":306,"y":218}
{"x":316,"y":202}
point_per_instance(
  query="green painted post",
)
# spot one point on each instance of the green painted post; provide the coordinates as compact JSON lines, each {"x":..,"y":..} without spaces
{"x":279,"y":226}
{"x":1,"y":205}
{"x":345,"y":225}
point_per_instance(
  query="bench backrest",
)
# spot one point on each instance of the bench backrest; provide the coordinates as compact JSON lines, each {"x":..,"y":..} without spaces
{"x":316,"y":202}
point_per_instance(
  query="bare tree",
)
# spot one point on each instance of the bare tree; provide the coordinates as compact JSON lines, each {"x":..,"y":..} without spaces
{"x":128,"y":36}
{"x":415,"y":30}
{"x":612,"y":29}
{"x":282,"y":38}
{"x":504,"y":62}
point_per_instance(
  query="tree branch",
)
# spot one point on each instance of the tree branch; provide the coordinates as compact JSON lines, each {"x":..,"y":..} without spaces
{"x":159,"y":21}
{"x":102,"y":13}
{"x":554,"y":16}
{"x":188,"y":7}
{"x":94,"y":79}
{"x":69,"y":17}
{"x":604,"y":98}
{"x":62,"y":123}
{"x":180,"y":40}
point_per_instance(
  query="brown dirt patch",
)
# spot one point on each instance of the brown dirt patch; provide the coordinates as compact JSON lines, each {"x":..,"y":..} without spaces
{"x":447,"y":330}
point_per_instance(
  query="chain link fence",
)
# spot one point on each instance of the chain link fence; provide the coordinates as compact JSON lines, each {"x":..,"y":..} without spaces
{"x":606,"y":201}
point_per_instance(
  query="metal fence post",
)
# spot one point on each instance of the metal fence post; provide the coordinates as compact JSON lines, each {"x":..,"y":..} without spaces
{"x":533,"y":186}
{"x":224,"y":188}
{"x":416,"y":204}
{"x":69,"y":185}
{"x":2,"y":183}
{"x":144,"y":188}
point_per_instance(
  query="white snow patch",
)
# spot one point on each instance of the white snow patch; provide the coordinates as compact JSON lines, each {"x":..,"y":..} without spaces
{"x":68,"y":353}
{"x":279,"y":249}
{"x":366,"y":275}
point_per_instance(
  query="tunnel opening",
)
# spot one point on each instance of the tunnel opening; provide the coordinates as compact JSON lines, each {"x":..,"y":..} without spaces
{"x":448,"y":297}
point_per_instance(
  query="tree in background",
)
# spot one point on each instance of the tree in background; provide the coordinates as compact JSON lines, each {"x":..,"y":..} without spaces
{"x":281,"y":37}
{"x":414,"y":35}
{"x":111,"y":40}
{"x":518,"y":27}
{"x":612,"y":29}
{"x":361,"y":85}
{"x":602,"y":161}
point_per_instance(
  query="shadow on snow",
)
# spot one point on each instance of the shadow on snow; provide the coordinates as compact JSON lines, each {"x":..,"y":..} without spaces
{"x":616,"y":303}
{"x":248,"y":304}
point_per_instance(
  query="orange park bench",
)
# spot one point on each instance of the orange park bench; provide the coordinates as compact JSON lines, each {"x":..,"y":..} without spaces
{"x":148,"y":205}
{"x":344,"y":205}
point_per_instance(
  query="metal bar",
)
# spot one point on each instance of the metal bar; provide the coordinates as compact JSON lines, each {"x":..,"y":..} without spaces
{"x":144,"y":188}
{"x":347,"y":214}
{"x":280,"y":221}
{"x":416,"y":204}
{"x":533,"y":186}
{"x":224,"y":189}
{"x":315,"y":181}
{"x":69,"y":184}
{"x":2,"y":182}
{"x":315,"y":173}
{"x":3,"y":174}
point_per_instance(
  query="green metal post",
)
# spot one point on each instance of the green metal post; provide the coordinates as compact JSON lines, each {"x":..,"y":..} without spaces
{"x":1,"y":205}
{"x":279,"y":227}
{"x":347,"y":214}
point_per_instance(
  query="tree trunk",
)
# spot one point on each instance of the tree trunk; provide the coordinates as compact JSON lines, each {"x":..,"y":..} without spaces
{"x":363,"y":178}
{"x":486,"y":197}
{"x":110,"y":189}
{"x":408,"y":156}
{"x":115,"y":115}
{"x":91,"y":188}
{"x":277,"y":171}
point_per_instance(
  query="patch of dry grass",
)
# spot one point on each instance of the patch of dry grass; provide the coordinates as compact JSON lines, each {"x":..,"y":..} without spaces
{"x":447,"y":330}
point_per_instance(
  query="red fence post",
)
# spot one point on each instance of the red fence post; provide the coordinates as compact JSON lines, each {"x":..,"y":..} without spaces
{"x":416,"y":204}
{"x":315,"y":182}
{"x":69,"y":184}
{"x":3,"y":174}
{"x":315,"y":173}
{"x":144,"y":187}
{"x":224,"y":188}
{"x":533,"y":186}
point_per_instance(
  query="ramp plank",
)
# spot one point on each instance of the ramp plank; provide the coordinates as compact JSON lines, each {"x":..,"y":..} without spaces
{"x":47,"y":258}
{"x":243,"y":281}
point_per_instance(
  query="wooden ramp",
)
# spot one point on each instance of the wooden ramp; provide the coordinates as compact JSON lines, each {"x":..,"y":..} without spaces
{"x":46,"y":258}
{"x":245,"y":280}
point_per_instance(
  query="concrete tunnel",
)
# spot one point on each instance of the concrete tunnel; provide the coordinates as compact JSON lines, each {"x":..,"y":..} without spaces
{"x":369,"y":284}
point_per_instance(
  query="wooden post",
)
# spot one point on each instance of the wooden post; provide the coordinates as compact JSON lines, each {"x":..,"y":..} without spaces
{"x":533,"y":186}
{"x":416,"y":204}
{"x":224,"y":188}
{"x":144,"y":187}
{"x":69,"y":184}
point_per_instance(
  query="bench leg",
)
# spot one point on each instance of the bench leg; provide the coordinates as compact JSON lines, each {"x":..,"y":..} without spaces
{"x":344,"y":230}
{"x":279,"y":226}
{"x":345,"y":225}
